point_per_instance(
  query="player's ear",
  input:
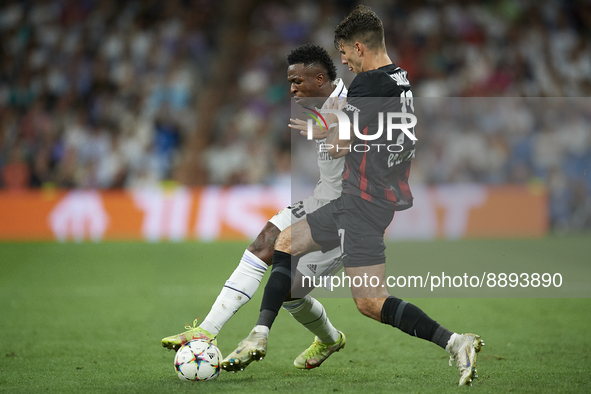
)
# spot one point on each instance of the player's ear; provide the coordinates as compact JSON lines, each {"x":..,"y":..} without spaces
{"x":320,"y":79}
{"x":359,"y":48}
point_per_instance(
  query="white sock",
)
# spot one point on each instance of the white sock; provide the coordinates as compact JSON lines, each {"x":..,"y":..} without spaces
{"x":310,"y":313}
{"x":261,"y":330}
{"x":451,"y":344}
{"x":237,"y":291}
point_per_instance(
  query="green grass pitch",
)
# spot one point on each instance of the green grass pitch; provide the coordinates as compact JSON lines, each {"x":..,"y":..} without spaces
{"x":89,"y":318}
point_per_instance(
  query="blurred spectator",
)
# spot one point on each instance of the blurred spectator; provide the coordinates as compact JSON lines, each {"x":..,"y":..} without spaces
{"x":16,"y":173}
{"x":104,"y":94}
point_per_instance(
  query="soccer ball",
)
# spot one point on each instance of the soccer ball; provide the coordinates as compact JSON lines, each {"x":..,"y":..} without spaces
{"x":198,"y":360}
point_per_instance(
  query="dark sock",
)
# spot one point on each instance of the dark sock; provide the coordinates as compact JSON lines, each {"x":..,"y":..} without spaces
{"x":413,"y":321}
{"x":277,"y":288}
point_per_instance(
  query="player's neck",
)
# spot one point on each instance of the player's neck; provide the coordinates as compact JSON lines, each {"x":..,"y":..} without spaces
{"x":328,"y":88}
{"x":373,"y":61}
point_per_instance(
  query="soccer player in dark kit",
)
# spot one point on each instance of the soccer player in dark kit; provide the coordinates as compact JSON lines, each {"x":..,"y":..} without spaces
{"x":375,"y":186}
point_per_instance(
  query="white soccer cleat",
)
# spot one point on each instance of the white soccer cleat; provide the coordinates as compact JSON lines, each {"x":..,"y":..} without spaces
{"x":464,"y":351}
{"x":252,"y":348}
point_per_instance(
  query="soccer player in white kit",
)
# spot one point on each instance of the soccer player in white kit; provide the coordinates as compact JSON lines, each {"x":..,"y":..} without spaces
{"x":312,"y":77}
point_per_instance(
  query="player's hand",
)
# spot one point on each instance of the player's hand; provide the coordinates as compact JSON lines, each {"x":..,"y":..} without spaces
{"x":318,"y":132}
{"x":333,"y":103}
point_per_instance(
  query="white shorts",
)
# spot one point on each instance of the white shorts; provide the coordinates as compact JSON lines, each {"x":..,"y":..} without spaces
{"x":314,"y":264}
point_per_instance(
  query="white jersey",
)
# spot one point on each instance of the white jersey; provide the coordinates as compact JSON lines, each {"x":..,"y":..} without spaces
{"x":331,"y":170}
{"x":318,"y":264}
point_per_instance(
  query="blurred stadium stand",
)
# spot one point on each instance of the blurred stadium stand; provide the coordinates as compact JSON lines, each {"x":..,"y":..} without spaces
{"x":128,"y":94}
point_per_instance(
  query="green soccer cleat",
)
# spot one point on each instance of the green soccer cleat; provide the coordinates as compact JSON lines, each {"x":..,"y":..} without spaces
{"x":253,"y":348}
{"x":193,"y":332}
{"x":464,"y":351}
{"x":315,"y":355}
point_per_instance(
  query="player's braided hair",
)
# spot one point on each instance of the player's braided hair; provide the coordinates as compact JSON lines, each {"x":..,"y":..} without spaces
{"x":363,"y":25}
{"x":313,"y":54}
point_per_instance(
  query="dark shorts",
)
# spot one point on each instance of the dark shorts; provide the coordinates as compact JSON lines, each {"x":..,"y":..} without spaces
{"x":356,"y":226}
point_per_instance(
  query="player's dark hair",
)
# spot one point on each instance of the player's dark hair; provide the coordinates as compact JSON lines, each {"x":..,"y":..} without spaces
{"x":362,"y":25}
{"x":310,"y":54}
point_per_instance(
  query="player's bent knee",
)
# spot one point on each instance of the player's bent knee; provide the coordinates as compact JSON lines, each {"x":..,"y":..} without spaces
{"x":365,"y":311}
{"x":368,"y":307}
{"x":300,"y":237}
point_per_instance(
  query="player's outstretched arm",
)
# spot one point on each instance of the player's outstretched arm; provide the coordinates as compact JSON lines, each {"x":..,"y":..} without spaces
{"x":318,"y":132}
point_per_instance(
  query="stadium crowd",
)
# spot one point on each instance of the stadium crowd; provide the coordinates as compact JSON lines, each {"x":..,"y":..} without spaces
{"x":103,"y":94}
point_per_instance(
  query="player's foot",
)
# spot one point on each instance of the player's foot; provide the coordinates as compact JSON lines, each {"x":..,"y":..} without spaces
{"x":253,"y":348}
{"x":193,"y":332}
{"x":315,"y":355}
{"x":464,"y":351}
